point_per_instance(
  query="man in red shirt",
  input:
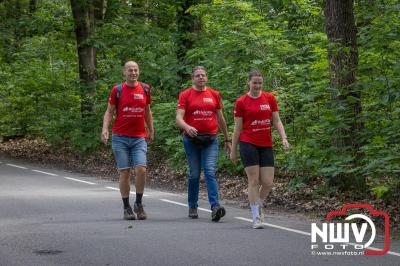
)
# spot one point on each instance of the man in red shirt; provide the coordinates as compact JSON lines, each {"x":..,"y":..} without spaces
{"x":129,"y":135}
{"x":255,"y":113}
{"x":199,"y":115}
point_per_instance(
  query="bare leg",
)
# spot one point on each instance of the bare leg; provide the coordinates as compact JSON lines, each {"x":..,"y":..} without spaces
{"x":267,"y":181}
{"x":140,"y":179}
{"x":253,"y":173}
{"x":124,"y":182}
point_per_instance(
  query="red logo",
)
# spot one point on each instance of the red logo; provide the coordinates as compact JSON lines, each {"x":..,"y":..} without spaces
{"x":372,"y":212}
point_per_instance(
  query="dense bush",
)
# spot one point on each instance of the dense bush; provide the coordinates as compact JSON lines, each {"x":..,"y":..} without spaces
{"x":40,"y":90}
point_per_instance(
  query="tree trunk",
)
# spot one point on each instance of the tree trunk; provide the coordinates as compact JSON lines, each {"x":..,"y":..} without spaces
{"x":84,"y":18}
{"x":188,"y":26}
{"x":343,"y":59}
{"x":32,"y":6}
{"x":85,"y":13}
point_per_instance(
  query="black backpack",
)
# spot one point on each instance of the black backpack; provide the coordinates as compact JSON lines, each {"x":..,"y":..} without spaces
{"x":145,"y":87}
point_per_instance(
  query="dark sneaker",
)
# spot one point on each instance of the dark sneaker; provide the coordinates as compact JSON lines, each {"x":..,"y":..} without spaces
{"x":193,"y":213}
{"x":129,"y":214}
{"x":217,"y":213}
{"x":138,"y":208}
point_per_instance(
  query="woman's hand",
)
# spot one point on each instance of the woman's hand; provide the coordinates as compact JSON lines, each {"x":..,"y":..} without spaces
{"x":285,"y":144}
{"x":233,"y":156}
{"x":191,"y":131}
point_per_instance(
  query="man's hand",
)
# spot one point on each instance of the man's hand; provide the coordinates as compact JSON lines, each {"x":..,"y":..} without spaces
{"x":104,"y":136}
{"x":150,"y":136}
{"x":227,"y":147}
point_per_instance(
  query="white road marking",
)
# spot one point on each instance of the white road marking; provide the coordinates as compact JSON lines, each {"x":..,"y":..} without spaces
{"x":113,"y":188}
{"x":78,"y":180}
{"x":182,"y":204}
{"x":276,"y":226}
{"x":46,"y":173}
{"x":132,"y":192}
{"x":204,"y":210}
{"x":185,"y":205}
{"x":308,"y":234}
{"x":174,"y":202}
{"x":13,"y":165}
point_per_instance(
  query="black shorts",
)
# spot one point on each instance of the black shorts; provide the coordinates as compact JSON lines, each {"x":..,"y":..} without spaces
{"x":256,"y":155}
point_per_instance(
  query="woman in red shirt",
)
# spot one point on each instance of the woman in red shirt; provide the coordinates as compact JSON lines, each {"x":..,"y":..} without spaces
{"x":199,"y":115}
{"x":255,"y":112}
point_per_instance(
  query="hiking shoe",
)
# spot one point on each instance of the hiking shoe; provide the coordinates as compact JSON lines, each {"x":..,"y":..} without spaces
{"x":129,"y":214}
{"x":217,"y":213}
{"x":257,"y":224}
{"x":193,"y":213}
{"x":140,"y":213}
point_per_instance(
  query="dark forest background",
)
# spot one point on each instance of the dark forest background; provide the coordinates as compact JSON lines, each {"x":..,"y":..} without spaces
{"x":333,"y":66}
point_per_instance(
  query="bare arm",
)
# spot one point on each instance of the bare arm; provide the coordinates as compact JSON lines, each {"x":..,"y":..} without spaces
{"x":222,"y":126}
{"x":281,"y":130}
{"x":191,"y":131}
{"x":235,"y":137}
{"x":148,"y":118}
{"x":108,"y":116}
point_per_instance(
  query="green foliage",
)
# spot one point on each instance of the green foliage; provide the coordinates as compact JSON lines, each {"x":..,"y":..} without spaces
{"x":167,"y":134}
{"x":40,"y":98}
{"x":380,"y":191}
{"x":298,"y":183}
{"x":40,"y":93}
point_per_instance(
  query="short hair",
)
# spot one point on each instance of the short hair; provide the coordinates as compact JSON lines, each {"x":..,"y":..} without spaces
{"x":198,"y":68}
{"x":130,"y":61}
{"x":254,"y":73}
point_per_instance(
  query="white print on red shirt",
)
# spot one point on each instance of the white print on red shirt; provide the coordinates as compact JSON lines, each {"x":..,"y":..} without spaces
{"x":260,"y":122}
{"x":138,"y":96}
{"x":208,"y":100}
{"x":133,"y":109}
{"x":202,"y":112}
{"x":203,"y":118}
{"x":260,"y":129}
{"x":265,"y":107}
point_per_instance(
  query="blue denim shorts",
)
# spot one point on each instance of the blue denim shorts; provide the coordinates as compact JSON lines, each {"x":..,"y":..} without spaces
{"x":129,"y":151}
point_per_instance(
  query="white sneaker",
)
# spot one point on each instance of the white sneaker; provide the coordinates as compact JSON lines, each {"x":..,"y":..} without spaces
{"x":257,"y":224}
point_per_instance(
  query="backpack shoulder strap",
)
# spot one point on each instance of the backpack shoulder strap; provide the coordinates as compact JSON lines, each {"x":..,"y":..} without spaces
{"x":145,"y":87}
{"x":119,"y":89}
{"x":117,"y":95}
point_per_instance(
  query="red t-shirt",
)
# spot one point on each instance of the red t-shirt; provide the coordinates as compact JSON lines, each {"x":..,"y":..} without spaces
{"x":200,"y":109}
{"x":130,"y":110}
{"x":257,"y":116}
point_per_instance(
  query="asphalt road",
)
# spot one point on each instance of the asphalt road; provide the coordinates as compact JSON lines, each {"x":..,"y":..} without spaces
{"x":50,"y":216}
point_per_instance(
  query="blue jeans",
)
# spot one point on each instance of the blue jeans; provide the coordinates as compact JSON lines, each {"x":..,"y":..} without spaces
{"x":206,"y":159}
